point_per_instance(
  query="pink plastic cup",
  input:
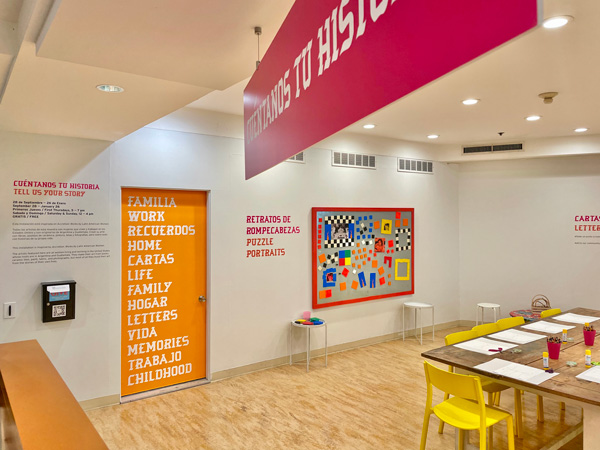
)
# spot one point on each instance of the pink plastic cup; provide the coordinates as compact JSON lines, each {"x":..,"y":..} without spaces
{"x":554,"y":350}
{"x":589,"y":336}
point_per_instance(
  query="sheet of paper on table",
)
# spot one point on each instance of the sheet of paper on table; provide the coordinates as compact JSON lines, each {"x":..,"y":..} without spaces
{"x":516,"y":336}
{"x":517,"y":371}
{"x":483,"y":345}
{"x":547,"y":327}
{"x":576,"y":318}
{"x":592,"y":374}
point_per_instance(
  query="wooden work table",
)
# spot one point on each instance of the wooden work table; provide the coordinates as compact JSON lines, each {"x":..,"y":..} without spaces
{"x":38,"y":409}
{"x":563,"y":387}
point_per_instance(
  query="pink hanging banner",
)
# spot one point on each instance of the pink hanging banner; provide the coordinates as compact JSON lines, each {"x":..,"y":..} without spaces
{"x":334,"y":62}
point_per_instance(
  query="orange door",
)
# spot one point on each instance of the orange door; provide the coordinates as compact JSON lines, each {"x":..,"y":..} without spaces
{"x":163,"y":282}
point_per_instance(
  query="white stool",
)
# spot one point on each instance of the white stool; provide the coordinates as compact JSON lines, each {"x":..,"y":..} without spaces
{"x":308,"y":329}
{"x":482,"y":307}
{"x":419,"y":306}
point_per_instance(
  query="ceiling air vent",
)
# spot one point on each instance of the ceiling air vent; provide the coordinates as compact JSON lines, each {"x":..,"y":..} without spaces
{"x":298,"y":158}
{"x":342,"y":159}
{"x":507,"y":147}
{"x":492,"y":148}
{"x":479,"y":149}
{"x":415,"y":166}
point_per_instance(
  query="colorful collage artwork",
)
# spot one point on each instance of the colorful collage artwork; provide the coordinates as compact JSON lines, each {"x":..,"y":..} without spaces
{"x":361,"y":254}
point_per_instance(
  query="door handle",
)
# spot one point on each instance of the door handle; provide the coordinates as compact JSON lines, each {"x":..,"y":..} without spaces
{"x":202,"y":299}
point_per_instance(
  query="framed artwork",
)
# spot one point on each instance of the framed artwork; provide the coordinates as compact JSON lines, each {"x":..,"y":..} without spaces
{"x":361,"y":254}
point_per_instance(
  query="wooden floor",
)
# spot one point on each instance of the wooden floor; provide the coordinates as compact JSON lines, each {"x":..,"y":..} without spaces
{"x":368,"y":398}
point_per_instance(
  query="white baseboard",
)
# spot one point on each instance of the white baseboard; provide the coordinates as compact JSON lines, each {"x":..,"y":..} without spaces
{"x":237,"y":371}
{"x":100,"y":402}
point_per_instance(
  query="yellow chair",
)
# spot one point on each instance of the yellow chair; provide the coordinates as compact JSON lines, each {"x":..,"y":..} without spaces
{"x":492,"y":388}
{"x":460,"y":336}
{"x":550,"y":312}
{"x":486,"y":328}
{"x":510,"y":322}
{"x":466,"y":410}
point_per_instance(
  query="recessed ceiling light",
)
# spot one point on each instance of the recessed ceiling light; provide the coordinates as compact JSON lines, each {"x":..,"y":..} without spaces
{"x":433,"y":136}
{"x":557,"y":21}
{"x":369,"y":126}
{"x":533,"y":118}
{"x":580,"y":130}
{"x":470,"y":101}
{"x":110,"y":88}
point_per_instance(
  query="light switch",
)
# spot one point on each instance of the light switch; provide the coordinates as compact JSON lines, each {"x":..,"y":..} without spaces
{"x":10,"y":310}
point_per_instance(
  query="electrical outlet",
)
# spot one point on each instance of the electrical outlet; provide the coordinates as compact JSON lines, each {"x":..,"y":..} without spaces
{"x":10,"y":310}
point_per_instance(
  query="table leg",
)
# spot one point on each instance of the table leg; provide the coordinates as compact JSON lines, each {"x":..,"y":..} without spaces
{"x":567,"y":436}
{"x":591,"y":422}
{"x":307,"y":348}
{"x":415,"y":333}
{"x":518,"y":413}
{"x":325,"y":345}
{"x":462,"y":440}
{"x":291,"y":348}
{"x":420,"y":323}
{"x":402,"y":321}
{"x":432,"y":323}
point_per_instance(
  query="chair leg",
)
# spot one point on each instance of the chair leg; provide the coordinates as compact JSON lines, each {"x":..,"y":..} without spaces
{"x":540,"y":408}
{"x":461,"y":439}
{"x":563,"y":407}
{"x":483,"y":438}
{"x":518,"y":413}
{"x":441,"y":427}
{"x":425,"y":429}
{"x":510,"y":436}
{"x":498,"y":398}
{"x":491,"y":401}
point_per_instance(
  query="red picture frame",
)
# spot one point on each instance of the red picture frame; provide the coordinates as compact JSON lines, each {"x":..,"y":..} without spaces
{"x":346,"y":266}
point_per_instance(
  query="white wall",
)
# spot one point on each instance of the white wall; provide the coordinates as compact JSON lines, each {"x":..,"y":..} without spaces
{"x":517,"y":235}
{"x":81,"y":349}
{"x":253,"y":300}
{"x":515,"y":239}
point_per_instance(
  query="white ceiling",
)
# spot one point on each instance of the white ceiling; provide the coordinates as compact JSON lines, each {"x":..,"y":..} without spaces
{"x":165,"y":53}
{"x":9,"y":11}
{"x":169,"y":53}
{"x":507,"y":81}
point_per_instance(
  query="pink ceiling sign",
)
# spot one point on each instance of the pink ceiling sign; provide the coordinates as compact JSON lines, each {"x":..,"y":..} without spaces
{"x":334,"y":62}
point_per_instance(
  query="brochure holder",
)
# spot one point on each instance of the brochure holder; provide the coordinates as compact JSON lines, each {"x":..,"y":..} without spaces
{"x":58,"y":300}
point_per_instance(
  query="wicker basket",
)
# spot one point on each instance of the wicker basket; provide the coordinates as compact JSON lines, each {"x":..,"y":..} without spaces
{"x":540,"y":303}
